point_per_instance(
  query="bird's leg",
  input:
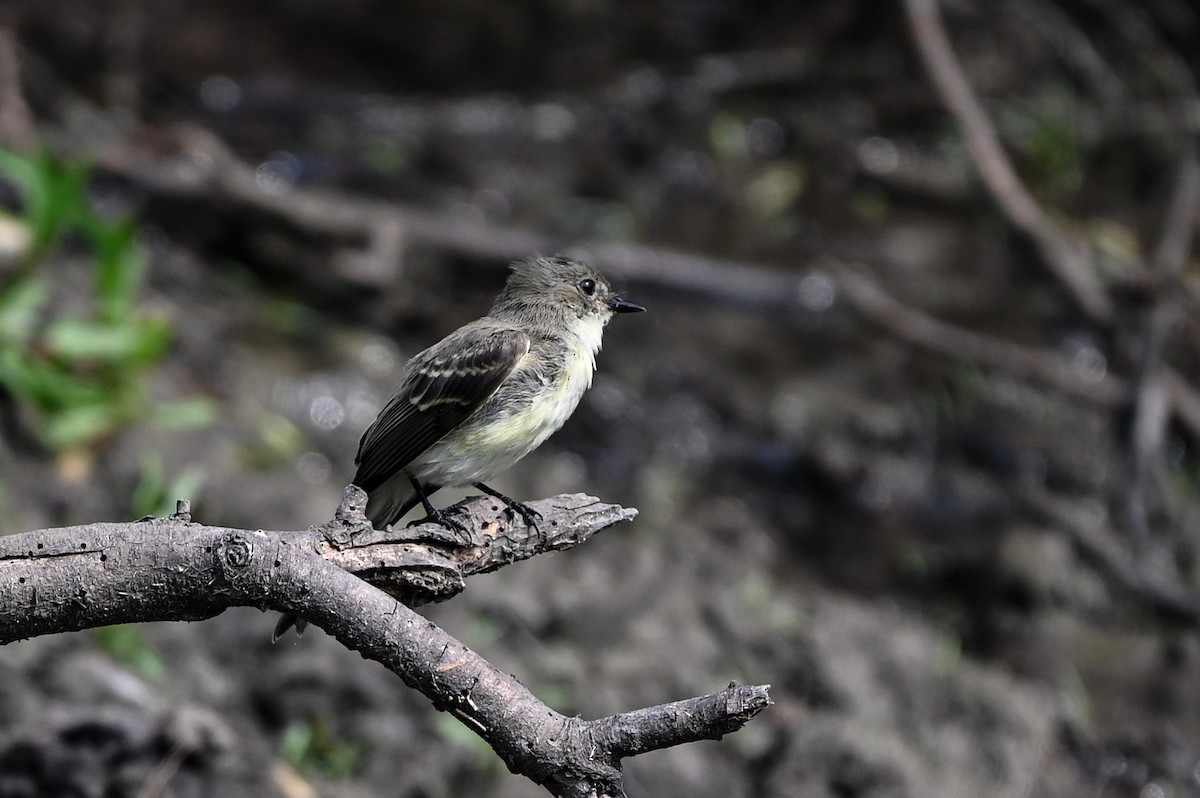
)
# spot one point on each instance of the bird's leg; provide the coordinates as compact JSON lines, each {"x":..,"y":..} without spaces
{"x":513,"y":507}
{"x":434,"y":515}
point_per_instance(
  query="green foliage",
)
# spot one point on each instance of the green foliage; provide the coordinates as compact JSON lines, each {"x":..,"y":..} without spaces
{"x":126,"y":644}
{"x":1047,"y":138}
{"x":79,"y":376}
{"x":311,"y":748}
{"x":278,"y":442}
{"x":55,"y":195}
{"x":155,"y":493}
{"x":485,"y":758}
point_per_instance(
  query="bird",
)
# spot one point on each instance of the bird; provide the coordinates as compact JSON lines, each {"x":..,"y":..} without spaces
{"x":472,"y":405}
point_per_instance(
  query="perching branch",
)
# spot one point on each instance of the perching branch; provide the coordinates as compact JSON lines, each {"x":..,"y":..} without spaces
{"x":55,"y":580}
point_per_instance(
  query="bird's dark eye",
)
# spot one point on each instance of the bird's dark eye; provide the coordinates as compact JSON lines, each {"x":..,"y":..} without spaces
{"x":587,"y":286}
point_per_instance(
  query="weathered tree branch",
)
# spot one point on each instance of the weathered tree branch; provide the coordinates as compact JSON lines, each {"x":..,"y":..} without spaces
{"x":356,"y":583}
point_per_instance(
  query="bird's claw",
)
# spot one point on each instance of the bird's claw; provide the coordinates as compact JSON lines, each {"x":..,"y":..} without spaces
{"x":444,"y":519}
{"x":513,"y":508}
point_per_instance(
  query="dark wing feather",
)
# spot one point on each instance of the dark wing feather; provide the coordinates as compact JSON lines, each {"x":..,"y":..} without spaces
{"x":440,"y":389}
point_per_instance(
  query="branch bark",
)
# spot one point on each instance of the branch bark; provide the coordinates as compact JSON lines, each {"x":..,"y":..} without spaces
{"x":357,"y":583}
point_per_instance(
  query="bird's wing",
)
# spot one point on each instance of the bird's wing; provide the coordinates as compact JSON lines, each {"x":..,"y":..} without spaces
{"x":440,"y":389}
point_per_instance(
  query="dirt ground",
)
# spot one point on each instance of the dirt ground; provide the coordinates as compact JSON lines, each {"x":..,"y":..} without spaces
{"x":963,"y":573}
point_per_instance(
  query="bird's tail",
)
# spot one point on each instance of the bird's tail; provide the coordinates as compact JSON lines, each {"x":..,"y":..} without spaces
{"x":386,"y":505}
{"x":287,"y":621}
{"x":391,"y":501}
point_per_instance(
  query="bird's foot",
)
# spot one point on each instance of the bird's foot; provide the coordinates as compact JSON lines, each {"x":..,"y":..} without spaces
{"x":446,"y":520}
{"x":513,"y":508}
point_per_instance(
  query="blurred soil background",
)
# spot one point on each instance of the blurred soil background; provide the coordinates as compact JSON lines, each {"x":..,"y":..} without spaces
{"x":892,"y":456}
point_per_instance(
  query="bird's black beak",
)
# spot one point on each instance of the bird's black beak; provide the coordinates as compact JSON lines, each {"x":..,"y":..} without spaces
{"x":618,"y":305}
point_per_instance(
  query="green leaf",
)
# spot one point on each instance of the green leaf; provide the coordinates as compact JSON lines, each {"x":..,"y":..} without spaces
{"x":150,"y":487}
{"x":310,"y":747}
{"x":296,"y":742}
{"x":54,"y":195}
{"x":126,"y":644}
{"x":187,"y":485}
{"x":20,"y":305}
{"x":20,"y":169}
{"x":119,"y":267}
{"x":66,"y":194}
{"x":184,"y":413}
{"x":81,"y":425}
{"x":133,"y":341}
{"x":43,"y":383}
{"x":80,"y":376}
{"x":155,"y":494}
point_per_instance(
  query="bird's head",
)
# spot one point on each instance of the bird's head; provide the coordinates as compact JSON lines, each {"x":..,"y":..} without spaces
{"x":566,"y":286}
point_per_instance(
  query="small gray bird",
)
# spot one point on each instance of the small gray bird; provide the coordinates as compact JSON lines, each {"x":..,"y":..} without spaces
{"x":489,"y":393}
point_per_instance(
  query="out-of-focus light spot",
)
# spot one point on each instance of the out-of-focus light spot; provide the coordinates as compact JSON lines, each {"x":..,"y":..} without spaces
{"x":552,"y":122}
{"x":277,"y":174}
{"x":361,"y":407}
{"x":16,"y":238}
{"x":377,"y":359}
{"x":326,"y":412}
{"x":816,"y":292}
{"x":791,"y":412}
{"x":1085,"y":358}
{"x":565,"y":473}
{"x":716,"y":73}
{"x":286,"y":393}
{"x":492,"y":203}
{"x":727,"y":136}
{"x":689,"y":437}
{"x":1016,"y":396}
{"x":643,"y":86}
{"x":479,"y":117}
{"x":765,"y":137}
{"x":607,"y":399}
{"x":314,"y":468}
{"x":616,"y":222}
{"x":689,"y":168}
{"x":220,"y":94}
{"x":878,"y":155}
{"x":776,"y":188}
{"x":468,"y":213}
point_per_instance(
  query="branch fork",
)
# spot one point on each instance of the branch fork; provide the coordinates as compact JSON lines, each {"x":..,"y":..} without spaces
{"x":360,"y":584}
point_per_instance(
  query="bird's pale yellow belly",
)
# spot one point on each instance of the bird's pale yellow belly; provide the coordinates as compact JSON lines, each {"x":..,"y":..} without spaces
{"x":477,"y":453}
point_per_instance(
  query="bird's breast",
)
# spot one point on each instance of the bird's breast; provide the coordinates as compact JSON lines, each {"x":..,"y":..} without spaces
{"x":526,"y":410}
